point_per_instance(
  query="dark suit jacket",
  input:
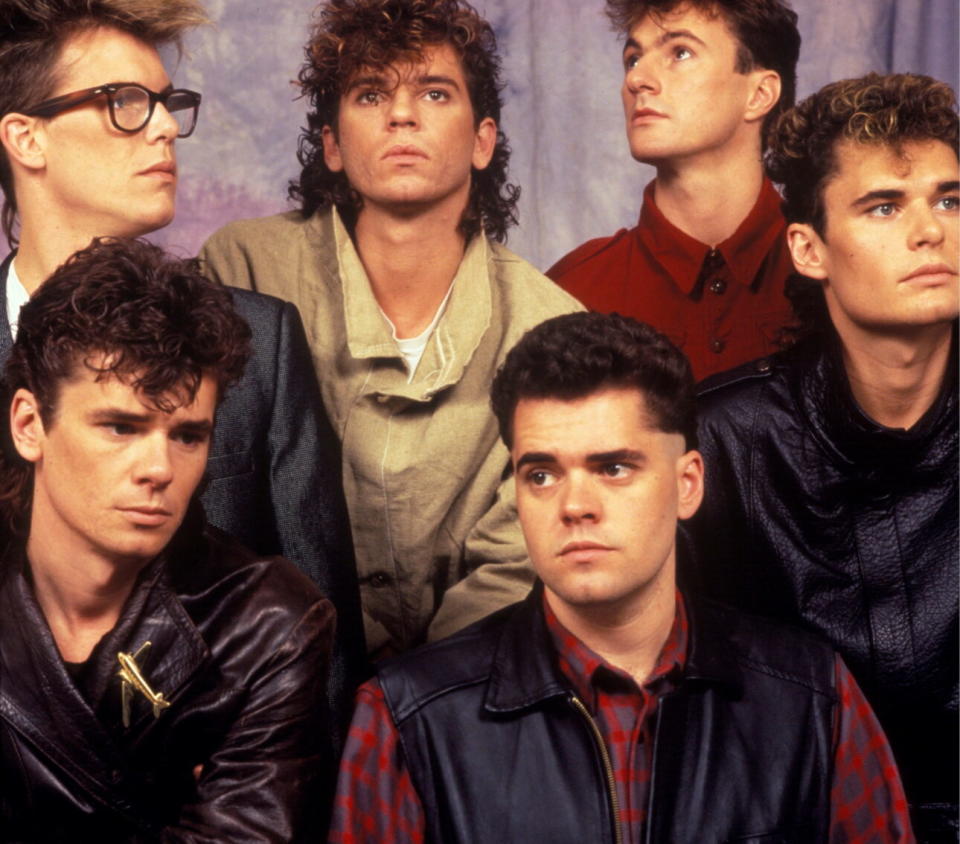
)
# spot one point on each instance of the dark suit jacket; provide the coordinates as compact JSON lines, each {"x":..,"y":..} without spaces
{"x":274,"y":472}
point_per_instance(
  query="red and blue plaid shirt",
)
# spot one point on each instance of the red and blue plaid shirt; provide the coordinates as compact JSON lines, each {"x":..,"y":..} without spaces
{"x":377,"y":802}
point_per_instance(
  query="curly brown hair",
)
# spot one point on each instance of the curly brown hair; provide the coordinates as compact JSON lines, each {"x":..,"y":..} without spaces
{"x":873,"y":109}
{"x":33,"y":34}
{"x":354,"y":35}
{"x":766,"y":33}
{"x":125,"y":310}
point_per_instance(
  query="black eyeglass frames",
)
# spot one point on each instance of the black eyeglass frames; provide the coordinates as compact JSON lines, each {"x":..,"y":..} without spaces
{"x":131,"y":105}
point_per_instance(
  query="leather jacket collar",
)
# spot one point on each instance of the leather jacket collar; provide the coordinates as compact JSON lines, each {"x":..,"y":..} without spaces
{"x":524,"y":672}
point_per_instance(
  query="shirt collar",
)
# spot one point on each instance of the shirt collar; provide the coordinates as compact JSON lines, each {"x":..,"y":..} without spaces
{"x":682,"y":256}
{"x":583,"y":668}
{"x":17,"y":297}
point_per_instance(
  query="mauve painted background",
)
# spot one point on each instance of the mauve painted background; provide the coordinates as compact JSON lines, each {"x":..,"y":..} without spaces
{"x":562,"y":108}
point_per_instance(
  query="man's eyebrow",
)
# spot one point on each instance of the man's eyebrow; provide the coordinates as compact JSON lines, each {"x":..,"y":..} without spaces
{"x":436,"y":79}
{"x":948,"y":187}
{"x":877,"y":195}
{"x":195,"y":426}
{"x":116,"y":414}
{"x":619,"y":455}
{"x":535,"y":457}
{"x":371,"y":80}
{"x":663,"y":38}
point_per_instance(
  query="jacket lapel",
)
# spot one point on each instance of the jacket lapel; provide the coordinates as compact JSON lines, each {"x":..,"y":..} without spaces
{"x":6,"y":338}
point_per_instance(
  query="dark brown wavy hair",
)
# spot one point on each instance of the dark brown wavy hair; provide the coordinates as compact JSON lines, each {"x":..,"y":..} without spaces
{"x":575,"y":355}
{"x":123,"y":309}
{"x":873,"y":109}
{"x":33,"y":34}
{"x":766,"y":33}
{"x":354,"y":35}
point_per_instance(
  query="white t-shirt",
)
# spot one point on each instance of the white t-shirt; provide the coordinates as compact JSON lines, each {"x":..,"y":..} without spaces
{"x":412,"y":348}
{"x":17,"y":297}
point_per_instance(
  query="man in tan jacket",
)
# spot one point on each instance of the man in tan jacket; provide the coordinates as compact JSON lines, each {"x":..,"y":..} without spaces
{"x":409,"y":301}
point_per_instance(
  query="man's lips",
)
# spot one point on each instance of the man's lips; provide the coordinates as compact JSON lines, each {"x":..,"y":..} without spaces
{"x":162,"y":169}
{"x":583,"y":546}
{"x":931,"y":274}
{"x":404,"y":151}
{"x":146,"y":515}
{"x":646,"y":115}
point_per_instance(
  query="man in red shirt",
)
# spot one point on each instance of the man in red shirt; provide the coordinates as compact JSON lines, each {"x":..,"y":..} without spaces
{"x":607,"y":706}
{"x":706,"y":263}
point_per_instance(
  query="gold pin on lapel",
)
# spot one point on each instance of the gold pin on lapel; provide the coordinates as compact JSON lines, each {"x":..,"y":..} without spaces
{"x":132,"y":678}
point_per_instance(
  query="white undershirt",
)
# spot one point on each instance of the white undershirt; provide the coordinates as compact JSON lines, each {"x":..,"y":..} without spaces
{"x":17,"y":297}
{"x":412,"y":348}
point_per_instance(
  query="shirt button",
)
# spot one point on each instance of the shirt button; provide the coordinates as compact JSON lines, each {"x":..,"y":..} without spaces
{"x":718,"y":286}
{"x":718,"y":346}
{"x":379,"y":579}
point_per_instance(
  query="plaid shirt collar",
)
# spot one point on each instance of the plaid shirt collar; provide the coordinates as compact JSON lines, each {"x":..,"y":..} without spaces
{"x":586,"y":670}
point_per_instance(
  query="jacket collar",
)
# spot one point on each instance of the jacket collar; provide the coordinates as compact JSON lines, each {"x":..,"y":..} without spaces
{"x":6,"y":338}
{"x":82,"y":732}
{"x":453,"y":343}
{"x":821,"y":389}
{"x":525,"y":674}
{"x":744,"y":252}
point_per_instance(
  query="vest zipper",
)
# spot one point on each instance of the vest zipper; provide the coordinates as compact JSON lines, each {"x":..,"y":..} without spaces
{"x":607,"y":765}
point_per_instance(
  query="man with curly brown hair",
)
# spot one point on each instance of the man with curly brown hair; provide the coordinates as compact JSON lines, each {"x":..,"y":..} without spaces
{"x":409,"y":299}
{"x":89,"y":124}
{"x":157,"y":679}
{"x":832,"y":487}
{"x":706,"y":263}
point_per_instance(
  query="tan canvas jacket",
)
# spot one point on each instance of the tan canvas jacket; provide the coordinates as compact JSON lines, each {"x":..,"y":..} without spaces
{"x":425,"y":474}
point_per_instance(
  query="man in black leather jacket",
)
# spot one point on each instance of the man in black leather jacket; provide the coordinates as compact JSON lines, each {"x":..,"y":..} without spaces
{"x":157,"y":679}
{"x":606,"y":707}
{"x":83,"y":157}
{"x":831,"y":493}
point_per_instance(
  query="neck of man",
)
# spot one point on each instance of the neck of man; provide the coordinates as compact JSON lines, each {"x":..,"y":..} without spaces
{"x":410,"y":257}
{"x":896,"y":377}
{"x":81,"y":594}
{"x":47,"y":239}
{"x":628,"y":634}
{"x":707,"y":196}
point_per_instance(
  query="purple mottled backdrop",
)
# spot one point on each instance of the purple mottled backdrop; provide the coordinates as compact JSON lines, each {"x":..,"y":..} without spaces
{"x":562,"y":115}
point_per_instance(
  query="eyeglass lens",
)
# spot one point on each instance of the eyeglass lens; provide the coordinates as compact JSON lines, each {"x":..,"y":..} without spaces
{"x":131,"y":109}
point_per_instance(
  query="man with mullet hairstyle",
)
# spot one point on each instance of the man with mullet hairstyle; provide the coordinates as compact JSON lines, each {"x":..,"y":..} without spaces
{"x":707,"y":261}
{"x":88,"y":124}
{"x":158,"y":681}
{"x":832,"y":472}
{"x":409,"y":299}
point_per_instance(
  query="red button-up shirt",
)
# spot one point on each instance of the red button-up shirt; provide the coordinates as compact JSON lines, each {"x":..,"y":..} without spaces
{"x":376,"y":801}
{"x":722,"y":306}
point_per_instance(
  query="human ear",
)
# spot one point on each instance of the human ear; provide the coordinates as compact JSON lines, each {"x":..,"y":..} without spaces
{"x":689,"y":483}
{"x":23,"y":140}
{"x":764,"y":93}
{"x":807,"y":250}
{"x":331,"y":149}
{"x":485,"y":140}
{"x":26,"y":426}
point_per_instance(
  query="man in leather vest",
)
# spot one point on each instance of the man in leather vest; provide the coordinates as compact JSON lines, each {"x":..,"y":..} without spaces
{"x":832,"y":467}
{"x":607,"y":706}
{"x":158,"y":679}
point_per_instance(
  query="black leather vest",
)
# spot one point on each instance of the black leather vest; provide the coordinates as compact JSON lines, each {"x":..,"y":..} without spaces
{"x":499,"y":751}
{"x":816,"y":515}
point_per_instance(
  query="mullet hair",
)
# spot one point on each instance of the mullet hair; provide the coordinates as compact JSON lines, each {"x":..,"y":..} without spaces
{"x":33,"y":34}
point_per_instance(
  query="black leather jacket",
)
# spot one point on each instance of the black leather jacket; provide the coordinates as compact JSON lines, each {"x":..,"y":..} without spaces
{"x":501,"y":750}
{"x":239,"y":646}
{"x":816,"y":515}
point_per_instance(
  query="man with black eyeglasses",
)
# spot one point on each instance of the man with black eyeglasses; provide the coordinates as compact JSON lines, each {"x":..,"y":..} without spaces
{"x":88,"y":124}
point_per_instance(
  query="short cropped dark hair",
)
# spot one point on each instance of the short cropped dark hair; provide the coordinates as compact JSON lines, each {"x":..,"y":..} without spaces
{"x":122,"y":309}
{"x":766,"y":33}
{"x":575,"y":355}
{"x":33,"y":34}
{"x":354,"y":35}
{"x":802,"y":157}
